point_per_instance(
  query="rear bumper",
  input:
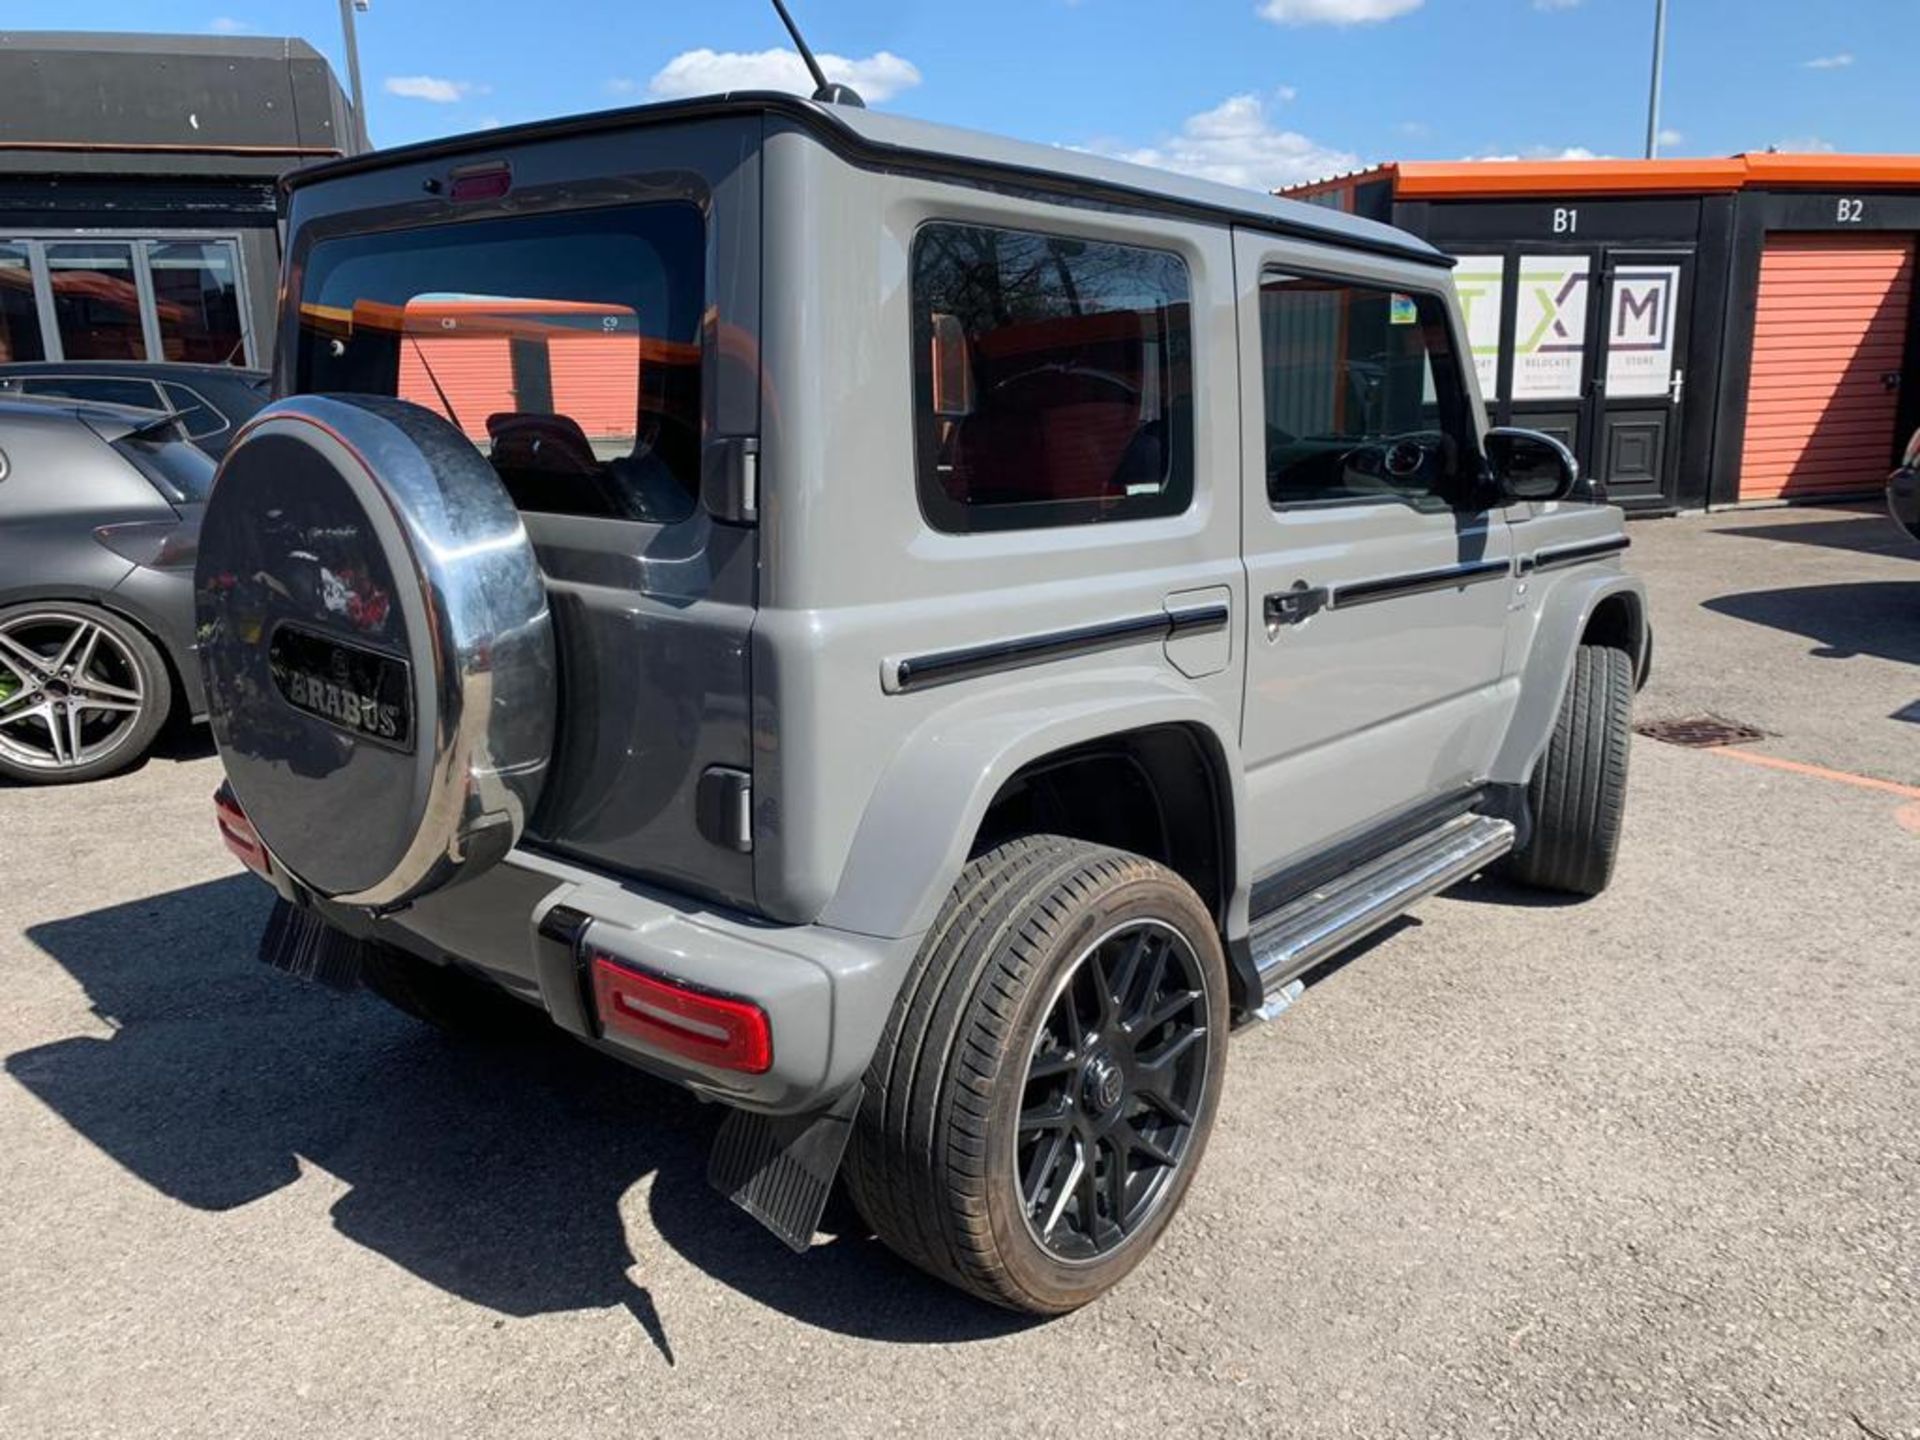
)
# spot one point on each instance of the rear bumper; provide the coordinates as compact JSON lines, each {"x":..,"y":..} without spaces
{"x":530,"y":923}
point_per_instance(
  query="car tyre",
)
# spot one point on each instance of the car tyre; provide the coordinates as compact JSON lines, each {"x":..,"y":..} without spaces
{"x":110,"y":671}
{"x":1578,"y":792}
{"x":1045,"y":1088}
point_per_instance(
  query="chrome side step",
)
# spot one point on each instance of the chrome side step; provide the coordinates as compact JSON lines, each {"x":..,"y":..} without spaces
{"x":1325,"y":921}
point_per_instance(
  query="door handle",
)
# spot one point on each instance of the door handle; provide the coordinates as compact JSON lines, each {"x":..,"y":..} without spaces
{"x":1291,"y":607}
{"x":1678,"y":388}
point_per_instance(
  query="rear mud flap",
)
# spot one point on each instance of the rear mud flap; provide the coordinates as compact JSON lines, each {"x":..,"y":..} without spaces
{"x":301,"y":943}
{"x":780,"y":1168}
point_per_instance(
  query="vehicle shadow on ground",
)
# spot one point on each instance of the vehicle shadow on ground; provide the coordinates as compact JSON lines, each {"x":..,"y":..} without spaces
{"x":1879,"y":617}
{"x":1867,"y":531}
{"x":181,"y":745}
{"x":1495,"y":888}
{"x":494,"y":1172}
{"x":182,"y":742}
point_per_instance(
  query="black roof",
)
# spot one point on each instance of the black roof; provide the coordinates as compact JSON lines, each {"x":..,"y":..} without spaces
{"x":882,"y":141}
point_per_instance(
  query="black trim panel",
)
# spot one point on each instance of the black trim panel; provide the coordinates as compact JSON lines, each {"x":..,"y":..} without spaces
{"x":943,"y":667}
{"x":1561,"y":555}
{"x":1366,"y":592}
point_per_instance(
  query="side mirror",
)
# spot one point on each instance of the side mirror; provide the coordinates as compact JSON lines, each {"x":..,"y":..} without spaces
{"x":1527,"y":465}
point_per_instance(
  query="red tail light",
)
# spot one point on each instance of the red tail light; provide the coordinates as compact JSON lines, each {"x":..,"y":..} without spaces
{"x":713,"y":1029}
{"x":238,"y":833}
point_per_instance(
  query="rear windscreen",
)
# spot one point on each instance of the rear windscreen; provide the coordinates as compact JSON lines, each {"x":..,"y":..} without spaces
{"x":566,"y":347}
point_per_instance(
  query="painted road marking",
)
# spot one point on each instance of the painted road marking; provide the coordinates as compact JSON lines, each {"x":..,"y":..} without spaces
{"x":1907,"y":817}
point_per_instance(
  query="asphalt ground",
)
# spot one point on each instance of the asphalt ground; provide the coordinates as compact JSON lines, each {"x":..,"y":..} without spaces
{"x":1643,"y":1166}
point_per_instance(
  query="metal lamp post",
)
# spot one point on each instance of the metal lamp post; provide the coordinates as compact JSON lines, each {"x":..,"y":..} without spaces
{"x":1659,"y":64}
{"x":347,"y":7}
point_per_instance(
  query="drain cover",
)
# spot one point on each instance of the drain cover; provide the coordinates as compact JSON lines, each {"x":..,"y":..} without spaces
{"x":1700,"y":732}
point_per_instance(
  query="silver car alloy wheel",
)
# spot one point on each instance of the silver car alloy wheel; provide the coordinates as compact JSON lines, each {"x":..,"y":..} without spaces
{"x":70,"y":690}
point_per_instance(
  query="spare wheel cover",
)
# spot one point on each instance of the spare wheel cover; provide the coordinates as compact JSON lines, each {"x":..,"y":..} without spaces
{"x":377,"y":649}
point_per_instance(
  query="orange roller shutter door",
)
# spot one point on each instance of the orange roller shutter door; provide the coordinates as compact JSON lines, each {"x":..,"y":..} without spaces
{"x":1829,"y":327}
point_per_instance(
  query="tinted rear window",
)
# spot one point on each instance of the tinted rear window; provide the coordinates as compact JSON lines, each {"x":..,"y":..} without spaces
{"x":1053,"y":379}
{"x":567,"y":347}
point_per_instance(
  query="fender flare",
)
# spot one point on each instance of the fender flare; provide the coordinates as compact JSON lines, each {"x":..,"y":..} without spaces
{"x":1558,"y":623}
{"x":919,"y":824}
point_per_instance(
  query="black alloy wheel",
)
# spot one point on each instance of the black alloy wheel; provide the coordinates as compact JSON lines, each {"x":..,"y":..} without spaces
{"x":1112,"y":1089}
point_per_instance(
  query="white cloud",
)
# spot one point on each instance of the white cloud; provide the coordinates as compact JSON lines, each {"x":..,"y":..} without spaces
{"x":227,"y":25}
{"x":1671,"y":137}
{"x":1539,"y":152}
{"x":1335,"y":12}
{"x":1557,"y":4}
{"x":432,"y":87}
{"x":1829,"y":62}
{"x":879,"y":77}
{"x":1804,"y":145}
{"x":1236,"y":143}
{"x":622,"y":85}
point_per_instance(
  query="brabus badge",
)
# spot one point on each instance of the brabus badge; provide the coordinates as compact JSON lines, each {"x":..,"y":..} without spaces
{"x":363,"y":692}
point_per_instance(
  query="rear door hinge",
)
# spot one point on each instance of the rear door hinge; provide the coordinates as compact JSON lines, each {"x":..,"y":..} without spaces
{"x":730,"y":479}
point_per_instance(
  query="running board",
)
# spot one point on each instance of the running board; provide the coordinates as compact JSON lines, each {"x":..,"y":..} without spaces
{"x":1326,"y":920}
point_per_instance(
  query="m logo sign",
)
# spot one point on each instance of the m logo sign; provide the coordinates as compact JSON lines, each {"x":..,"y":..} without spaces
{"x":1640,"y":330}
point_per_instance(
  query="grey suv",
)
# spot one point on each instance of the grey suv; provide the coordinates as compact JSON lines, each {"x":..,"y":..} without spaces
{"x":912,"y":636}
{"x":99,"y":517}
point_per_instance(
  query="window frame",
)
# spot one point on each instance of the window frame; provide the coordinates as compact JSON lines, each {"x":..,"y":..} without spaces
{"x":947,"y":516}
{"x":36,"y":240}
{"x":1472,"y":458}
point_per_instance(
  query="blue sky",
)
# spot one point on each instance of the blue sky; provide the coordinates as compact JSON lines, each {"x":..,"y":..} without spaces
{"x":1260,"y":92}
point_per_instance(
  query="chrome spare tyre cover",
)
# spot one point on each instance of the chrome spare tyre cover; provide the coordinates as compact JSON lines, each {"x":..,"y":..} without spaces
{"x":377,"y":649}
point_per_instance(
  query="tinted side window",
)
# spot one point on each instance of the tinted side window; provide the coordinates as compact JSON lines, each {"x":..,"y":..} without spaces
{"x":1363,"y":395}
{"x":1052,"y":379}
{"x":106,"y":392}
{"x":197,"y":418}
{"x":565,"y":346}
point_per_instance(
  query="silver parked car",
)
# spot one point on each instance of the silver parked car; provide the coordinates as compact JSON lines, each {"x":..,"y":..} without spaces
{"x":99,"y":516}
{"x":209,"y":402}
{"x":910,"y":635}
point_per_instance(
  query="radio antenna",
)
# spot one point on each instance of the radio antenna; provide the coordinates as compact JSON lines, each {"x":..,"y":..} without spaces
{"x":826,"y":91}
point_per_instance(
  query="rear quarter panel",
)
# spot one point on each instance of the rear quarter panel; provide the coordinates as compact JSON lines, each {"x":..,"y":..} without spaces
{"x":854,"y":577}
